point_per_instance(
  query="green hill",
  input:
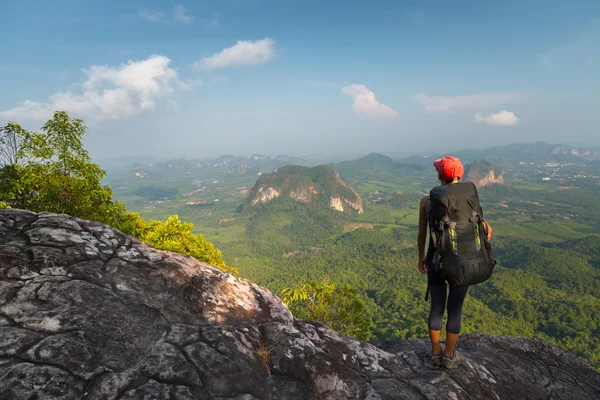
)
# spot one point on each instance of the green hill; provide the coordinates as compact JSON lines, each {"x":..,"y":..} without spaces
{"x":376,"y":166}
{"x":296,"y":206}
{"x":545,"y":239}
{"x":320,"y":186}
{"x":483,"y":173}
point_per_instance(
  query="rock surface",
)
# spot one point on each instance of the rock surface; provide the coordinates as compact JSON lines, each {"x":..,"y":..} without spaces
{"x":89,"y":313}
{"x":321,"y":184}
{"x":483,"y":173}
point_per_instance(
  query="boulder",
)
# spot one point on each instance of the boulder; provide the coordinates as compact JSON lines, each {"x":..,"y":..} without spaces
{"x":89,"y":313}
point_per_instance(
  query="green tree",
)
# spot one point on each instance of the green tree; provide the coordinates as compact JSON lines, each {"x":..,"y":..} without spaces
{"x":52,"y":171}
{"x":174,"y":235}
{"x":340,"y":307}
{"x":10,"y":143}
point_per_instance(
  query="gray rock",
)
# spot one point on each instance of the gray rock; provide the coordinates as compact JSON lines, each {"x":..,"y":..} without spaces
{"x":87,"y":312}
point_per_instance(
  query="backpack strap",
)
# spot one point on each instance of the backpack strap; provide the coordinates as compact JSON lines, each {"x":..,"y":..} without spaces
{"x":481,"y":227}
{"x":448,"y":229}
{"x":476,"y":220}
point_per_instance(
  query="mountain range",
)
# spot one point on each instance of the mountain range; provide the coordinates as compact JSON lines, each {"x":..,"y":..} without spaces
{"x":513,"y":154}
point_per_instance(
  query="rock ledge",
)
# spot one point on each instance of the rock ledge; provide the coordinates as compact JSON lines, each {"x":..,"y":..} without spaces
{"x":89,"y":313}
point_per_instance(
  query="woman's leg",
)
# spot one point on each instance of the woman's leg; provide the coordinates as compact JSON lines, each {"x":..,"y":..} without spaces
{"x":456,"y":298}
{"x":438,"y":306}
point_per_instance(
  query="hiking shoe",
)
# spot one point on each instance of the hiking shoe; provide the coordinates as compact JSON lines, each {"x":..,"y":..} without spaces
{"x":450,"y":362}
{"x":436,"y":359}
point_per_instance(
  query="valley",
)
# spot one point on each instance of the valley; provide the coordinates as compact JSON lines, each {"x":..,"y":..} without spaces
{"x":545,"y":212}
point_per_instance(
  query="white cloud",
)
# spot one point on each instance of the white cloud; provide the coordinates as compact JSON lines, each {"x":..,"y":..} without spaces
{"x":365,"y":103}
{"x":28,"y":110}
{"x":110,"y":92}
{"x":481,"y":100}
{"x":503,"y":118}
{"x":178,"y":15}
{"x":244,"y":52}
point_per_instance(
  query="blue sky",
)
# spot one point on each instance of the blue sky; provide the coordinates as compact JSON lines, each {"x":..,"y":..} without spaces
{"x":203,"y":78}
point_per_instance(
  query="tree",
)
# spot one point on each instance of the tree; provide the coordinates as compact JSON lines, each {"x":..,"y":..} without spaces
{"x":52,"y":171}
{"x":174,"y":235}
{"x":10,"y":143}
{"x":341,"y":308}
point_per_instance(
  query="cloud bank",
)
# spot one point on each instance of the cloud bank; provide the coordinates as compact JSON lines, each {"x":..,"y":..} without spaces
{"x":471,"y":101}
{"x":109,"y":92}
{"x":365,"y":103}
{"x":244,"y":52}
{"x":503,"y":118}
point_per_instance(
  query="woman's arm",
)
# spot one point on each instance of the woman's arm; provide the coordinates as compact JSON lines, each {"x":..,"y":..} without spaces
{"x":422,"y":235}
{"x":489,"y":230}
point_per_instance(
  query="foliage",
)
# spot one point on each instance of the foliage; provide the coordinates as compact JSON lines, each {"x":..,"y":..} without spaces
{"x":340,"y":307}
{"x":283,"y":225}
{"x":52,"y":171}
{"x":404,"y":200}
{"x":546,"y":239}
{"x":322,"y":179}
{"x":174,"y":235}
{"x":10,"y":143}
{"x":156,"y":193}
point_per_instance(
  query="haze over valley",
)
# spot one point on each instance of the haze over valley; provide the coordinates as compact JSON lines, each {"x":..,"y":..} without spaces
{"x":221,"y":199}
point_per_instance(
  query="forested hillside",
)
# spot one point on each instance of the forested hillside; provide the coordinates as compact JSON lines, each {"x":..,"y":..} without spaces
{"x":546,"y":221}
{"x":546,"y":241}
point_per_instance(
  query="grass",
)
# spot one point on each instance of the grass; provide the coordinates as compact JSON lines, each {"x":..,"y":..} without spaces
{"x":263,"y":353}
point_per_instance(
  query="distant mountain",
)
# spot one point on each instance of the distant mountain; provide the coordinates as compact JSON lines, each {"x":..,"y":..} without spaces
{"x":483,"y":173}
{"x":514,"y":154}
{"x":138,"y":170}
{"x":225,"y":164}
{"x":543,"y":152}
{"x":374,"y":166}
{"x":320,"y":185}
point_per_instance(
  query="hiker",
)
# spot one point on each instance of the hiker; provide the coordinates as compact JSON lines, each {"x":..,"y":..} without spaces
{"x":458,"y":255}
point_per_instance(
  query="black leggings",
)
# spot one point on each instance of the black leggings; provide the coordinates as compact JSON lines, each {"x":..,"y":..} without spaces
{"x":456,"y":299}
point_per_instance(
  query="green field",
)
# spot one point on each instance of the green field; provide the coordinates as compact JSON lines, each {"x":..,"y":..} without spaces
{"x":544,"y":286}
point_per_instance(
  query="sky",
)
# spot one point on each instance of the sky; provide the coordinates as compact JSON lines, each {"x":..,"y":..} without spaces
{"x":204,"y":78}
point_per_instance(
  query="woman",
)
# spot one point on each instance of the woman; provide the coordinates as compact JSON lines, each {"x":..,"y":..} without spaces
{"x":450,"y":171}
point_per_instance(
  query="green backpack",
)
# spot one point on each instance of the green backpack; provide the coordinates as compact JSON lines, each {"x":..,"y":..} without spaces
{"x":462,"y":254}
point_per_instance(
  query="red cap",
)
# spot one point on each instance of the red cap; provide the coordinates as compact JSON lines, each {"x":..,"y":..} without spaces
{"x":450,"y":168}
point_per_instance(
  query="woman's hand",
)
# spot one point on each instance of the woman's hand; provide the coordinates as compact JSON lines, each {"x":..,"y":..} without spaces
{"x":422,"y":266}
{"x":489,"y":230}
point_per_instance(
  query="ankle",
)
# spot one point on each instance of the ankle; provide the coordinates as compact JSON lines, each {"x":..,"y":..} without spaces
{"x":449,"y":354}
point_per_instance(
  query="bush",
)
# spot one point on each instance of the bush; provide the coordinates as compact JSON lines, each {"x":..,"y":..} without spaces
{"x":341,"y":308}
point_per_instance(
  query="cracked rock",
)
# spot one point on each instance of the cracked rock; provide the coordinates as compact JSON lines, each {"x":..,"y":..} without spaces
{"x":89,"y":313}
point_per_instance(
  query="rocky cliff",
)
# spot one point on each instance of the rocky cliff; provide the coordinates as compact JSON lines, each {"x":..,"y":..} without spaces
{"x":483,"y":173}
{"x":318,"y":185}
{"x":89,"y":313}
